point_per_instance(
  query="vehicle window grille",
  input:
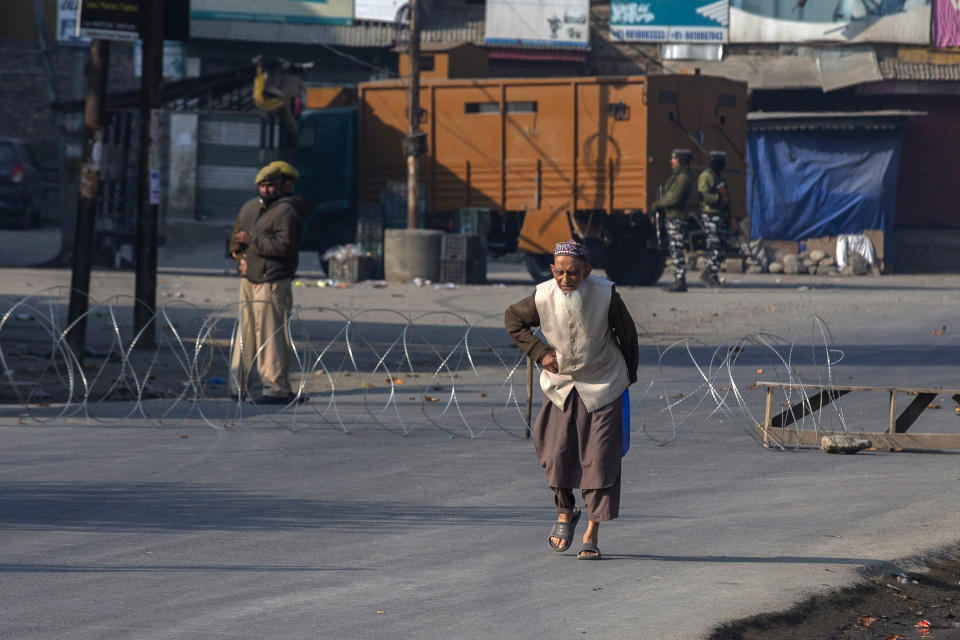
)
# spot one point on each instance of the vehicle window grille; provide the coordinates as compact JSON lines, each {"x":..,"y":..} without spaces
{"x":481,"y":107}
{"x":523,"y":106}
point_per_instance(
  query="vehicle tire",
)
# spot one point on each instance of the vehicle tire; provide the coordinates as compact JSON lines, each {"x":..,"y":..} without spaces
{"x":538,"y":266}
{"x":630,"y":265}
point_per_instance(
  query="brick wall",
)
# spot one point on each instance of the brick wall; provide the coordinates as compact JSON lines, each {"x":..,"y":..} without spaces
{"x":25,"y":109}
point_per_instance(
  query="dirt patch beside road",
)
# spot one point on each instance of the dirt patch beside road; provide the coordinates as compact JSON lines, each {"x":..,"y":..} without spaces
{"x":895,"y":606}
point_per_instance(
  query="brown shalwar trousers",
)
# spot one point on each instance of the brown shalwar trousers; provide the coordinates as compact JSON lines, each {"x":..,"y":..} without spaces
{"x":580,"y":449}
{"x":262,"y":334}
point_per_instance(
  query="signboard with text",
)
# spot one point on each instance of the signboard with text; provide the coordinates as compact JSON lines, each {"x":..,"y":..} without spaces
{"x":303,"y":11}
{"x":109,"y":19}
{"x":558,"y":23}
{"x":379,"y":10}
{"x":689,"y":21}
{"x":900,"y":21}
{"x":67,"y":22}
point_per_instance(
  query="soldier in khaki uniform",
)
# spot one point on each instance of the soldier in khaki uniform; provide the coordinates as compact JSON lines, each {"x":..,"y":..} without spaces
{"x":673,"y":202}
{"x":715,"y":215}
{"x":266,"y":245}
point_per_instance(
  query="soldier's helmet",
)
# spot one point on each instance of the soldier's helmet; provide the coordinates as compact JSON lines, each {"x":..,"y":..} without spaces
{"x":277,"y":169}
{"x":718,"y":160}
{"x":682,"y":155}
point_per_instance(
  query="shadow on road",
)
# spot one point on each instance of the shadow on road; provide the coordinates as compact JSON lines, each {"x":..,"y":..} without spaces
{"x":153,"y":507}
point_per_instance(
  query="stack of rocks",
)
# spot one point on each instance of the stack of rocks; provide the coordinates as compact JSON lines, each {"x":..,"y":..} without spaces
{"x":815,"y":262}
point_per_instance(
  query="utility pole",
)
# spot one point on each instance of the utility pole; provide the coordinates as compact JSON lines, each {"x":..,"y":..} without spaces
{"x":145,"y":258}
{"x":93,"y":117}
{"x":413,"y":143}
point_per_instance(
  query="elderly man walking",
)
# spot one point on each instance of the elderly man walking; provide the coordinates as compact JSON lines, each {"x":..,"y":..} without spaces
{"x":589,"y":359}
{"x":266,"y":244}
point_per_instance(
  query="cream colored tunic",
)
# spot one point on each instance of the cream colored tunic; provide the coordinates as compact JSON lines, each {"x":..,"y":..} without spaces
{"x":589,"y":358}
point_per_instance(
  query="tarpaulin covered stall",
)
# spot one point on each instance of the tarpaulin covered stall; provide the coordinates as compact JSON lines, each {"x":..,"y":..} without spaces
{"x":823,"y":174}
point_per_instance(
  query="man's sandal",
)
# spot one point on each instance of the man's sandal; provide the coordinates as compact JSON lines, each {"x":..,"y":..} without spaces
{"x":589,"y":546}
{"x":564,"y":531}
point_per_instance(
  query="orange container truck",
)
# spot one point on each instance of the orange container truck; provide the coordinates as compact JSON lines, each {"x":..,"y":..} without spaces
{"x":555,"y":158}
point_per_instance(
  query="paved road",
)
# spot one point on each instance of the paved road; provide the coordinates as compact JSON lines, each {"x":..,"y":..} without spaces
{"x":140,"y":530}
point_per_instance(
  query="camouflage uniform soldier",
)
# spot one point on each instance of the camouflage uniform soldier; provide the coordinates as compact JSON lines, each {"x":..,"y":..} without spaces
{"x":674,"y":204}
{"x":715,"y":214}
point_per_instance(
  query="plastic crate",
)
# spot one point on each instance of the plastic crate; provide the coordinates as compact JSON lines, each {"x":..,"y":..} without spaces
{"x":463,"y":246}
{"x":463,"y":271}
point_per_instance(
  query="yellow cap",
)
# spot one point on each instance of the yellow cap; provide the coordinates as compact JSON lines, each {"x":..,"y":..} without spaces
{"x":277,"y":169}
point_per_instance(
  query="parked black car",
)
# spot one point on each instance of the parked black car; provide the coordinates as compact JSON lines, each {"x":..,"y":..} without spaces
{"x":21,"y":185}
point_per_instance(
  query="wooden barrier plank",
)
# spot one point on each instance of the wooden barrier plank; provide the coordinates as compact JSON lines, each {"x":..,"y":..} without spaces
{"x":895,"y":439}
{"x":847,"y":387}
{"x":881,"y":441}
{"x":813,"y":403}
{"x":913,"y":411}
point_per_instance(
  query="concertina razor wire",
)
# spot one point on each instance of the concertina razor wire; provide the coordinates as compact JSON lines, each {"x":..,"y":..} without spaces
{"x":372,"y":369}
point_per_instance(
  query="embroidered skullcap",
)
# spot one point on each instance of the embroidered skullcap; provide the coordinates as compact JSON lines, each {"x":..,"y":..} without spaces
{"x":683,"y":155}
{"x":571,"y":248}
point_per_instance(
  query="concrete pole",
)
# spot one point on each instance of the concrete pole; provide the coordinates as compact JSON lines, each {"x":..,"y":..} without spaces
{"x":145,"y":248}
{"x":93,"y":117}
{"x":413,"y":116}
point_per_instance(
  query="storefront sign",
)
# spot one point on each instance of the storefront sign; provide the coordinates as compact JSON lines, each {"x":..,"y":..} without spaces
{"x":688,"y":21}
{"x":309,"y":11}
{"x":109,"y":19}
{"x":900,"y":21}
{"x":560,"y":23}
{"x":379,"y":10}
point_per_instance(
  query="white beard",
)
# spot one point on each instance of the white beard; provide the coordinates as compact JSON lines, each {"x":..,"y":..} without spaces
{"x":569,"y":305}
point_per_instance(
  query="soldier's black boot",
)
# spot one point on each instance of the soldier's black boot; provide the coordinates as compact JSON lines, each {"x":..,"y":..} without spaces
{"x":679,"y":285}
{"x":711,"y":279}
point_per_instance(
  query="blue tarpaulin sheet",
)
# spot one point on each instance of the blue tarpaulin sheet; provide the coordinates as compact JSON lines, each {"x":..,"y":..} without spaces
{"x":813,"y":183}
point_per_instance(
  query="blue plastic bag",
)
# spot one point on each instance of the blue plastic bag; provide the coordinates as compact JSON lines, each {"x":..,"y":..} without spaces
{"x":626,"y":422}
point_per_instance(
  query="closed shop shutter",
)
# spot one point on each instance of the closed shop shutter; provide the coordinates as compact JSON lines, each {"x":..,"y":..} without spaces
{"x":228,"y":158}
{"x":928,"y":189}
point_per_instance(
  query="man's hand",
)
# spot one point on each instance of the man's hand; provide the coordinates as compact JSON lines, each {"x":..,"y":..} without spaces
{"x":242,"y":265}
{"x":242,"y":238}
{"x":549,"y":361}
